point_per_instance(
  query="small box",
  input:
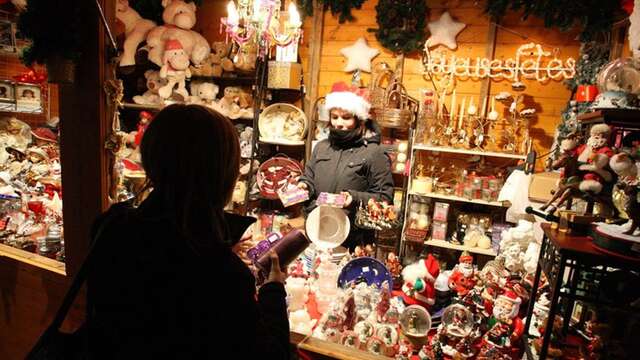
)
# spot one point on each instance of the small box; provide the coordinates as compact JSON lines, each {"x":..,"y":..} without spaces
{"x":439,"y":230}
{"x":441,"y":212}
{"x":284,"y":75}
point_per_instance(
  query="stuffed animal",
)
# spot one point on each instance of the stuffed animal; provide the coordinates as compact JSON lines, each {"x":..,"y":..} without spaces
{"x":179,"y":17}
{"x":175,"y":68}
{"x":235,"y":103}
{"x":217,"y":62}
{"x":154,"y":83}
{"x":627,"y":170}
{"x":135,"y":28}
{"x":245,"y":58}
{"x":203,"y":93}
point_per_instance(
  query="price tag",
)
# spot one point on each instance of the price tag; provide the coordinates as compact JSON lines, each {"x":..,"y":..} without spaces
{"x":365,"y":269}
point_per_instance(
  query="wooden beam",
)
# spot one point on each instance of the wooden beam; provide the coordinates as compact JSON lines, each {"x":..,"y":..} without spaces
{"x":315,"y":51}
{"x":490,"y":51}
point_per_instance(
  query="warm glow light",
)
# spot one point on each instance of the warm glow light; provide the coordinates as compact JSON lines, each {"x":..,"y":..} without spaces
{"x":294,"y":16}
{"x":257,"y":5}
{"x":232,"y":14}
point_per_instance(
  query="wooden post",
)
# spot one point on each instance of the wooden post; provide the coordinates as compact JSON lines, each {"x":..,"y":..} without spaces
{"x":315,"y":51}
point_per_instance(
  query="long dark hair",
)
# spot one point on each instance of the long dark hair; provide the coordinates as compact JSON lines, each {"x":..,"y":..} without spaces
{"x":191,"y":155}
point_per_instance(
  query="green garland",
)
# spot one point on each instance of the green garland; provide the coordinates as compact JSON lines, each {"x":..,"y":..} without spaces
{"x":595,"y":16}
{"x":53,"y":29}
{"x":593,"y":56}
{"x":342,"y":8}
{"x":401,"y":24}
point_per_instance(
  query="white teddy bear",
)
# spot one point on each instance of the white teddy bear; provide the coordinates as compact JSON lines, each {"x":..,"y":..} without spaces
{"x":154,"y":83}
{"x":203,"y":93}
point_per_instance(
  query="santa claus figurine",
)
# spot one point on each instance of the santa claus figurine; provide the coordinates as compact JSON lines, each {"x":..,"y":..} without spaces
{"x":594,"y":157}
{"x":505,"y":326}
{"x":418,"y":279}
{"x":463,"y":277}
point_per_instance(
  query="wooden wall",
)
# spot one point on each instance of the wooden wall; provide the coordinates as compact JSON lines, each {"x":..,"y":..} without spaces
{"x":549,"y":99}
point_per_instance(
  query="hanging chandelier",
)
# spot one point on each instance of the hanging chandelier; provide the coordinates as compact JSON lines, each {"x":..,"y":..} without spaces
{"x":263,"y":22}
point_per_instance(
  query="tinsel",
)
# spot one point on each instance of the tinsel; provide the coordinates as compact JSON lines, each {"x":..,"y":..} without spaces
{"x":401,"y":24}
{"x":595,"y":16}
{"x":342,"y":8}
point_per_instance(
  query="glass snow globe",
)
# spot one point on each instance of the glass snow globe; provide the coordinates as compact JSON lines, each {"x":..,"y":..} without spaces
{"x":457,"y":320}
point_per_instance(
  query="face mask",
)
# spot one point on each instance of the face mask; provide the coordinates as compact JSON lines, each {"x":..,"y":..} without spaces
{"x":343,"y":137}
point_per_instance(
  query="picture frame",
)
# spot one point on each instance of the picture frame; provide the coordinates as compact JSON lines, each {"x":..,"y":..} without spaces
{"x":7,"y":91}
{"x":28,"y":98}
{"x":7,"y":36}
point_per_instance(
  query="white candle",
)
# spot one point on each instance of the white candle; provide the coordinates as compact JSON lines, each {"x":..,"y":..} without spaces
{"x":441,"y":105}
{"x":472,"y":110}
{"x":452,"y":111}
{"x":461,"y":114}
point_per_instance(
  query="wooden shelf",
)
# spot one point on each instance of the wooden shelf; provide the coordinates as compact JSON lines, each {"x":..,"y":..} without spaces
{"x":449,"y":245}
{"x":626,"y":118}
{"x":249,"y":80}
{"x":460,"y":199}
{"x":33,"y":259}
{"x":468,"y":152}
{"x":134,"y":106}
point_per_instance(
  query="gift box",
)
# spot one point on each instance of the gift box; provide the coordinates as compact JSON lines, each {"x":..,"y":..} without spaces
{"x":284,"y":75}
{"x":586,"y":93}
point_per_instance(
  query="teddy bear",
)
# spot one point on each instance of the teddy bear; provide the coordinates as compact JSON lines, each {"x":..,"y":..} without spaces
{"x":235,"y":103}
{"x":179,"y":17}
{"x":217,"y":62}
{"x":175,"y":68}
{"x":203,"y":93}
{"x":136,"y":29}
{"x":154,"y":83}
{"x":245,"y":58}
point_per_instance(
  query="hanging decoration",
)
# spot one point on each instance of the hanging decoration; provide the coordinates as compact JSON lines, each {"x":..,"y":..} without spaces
{"x":527,"y":64}
{"x":594,"y":16}
{"x":31,"y":76}
{"x":342,"y":8}
{"x":401,"y":24}
{"x":444,"y":32}
{"x":359,"y":56}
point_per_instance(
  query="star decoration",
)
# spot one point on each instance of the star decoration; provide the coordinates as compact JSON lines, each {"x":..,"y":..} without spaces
{"x":444,"y":31}
{"x":359,"y":56}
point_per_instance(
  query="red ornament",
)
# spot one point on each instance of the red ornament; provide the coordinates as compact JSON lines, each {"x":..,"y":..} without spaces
{"x":586,"y":93}
{"x":627,"y":6}
{"x":31,"y":77}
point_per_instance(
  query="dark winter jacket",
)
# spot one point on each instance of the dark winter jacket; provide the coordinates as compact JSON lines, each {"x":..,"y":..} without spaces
{"x":153,"y":297}
{"x":363,"y":169}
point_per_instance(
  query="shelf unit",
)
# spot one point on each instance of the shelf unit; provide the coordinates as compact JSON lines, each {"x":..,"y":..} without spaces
{"x":450,"y":245}
{"x":417,"y":147}
{"x":460,"y":199}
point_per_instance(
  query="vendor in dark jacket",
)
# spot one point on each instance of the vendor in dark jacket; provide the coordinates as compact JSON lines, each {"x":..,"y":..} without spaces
{"x":351,"y":161}
{"x":165,"y":282}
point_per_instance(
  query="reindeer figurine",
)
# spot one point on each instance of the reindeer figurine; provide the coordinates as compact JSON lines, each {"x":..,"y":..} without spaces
{"x":570,"y":182}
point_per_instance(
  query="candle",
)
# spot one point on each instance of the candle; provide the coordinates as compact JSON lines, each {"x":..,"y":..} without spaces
{"x":441,"y":104}
{"x":461,"y":114}
{"x":232,"y":14}
{"x":452,"y":111}
{"x":294,"y":17}
{"x":483,"y":113}
{"x":472,"y":110}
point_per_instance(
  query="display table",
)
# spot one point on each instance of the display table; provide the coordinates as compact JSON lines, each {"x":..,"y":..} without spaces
{"x":576,"y":271}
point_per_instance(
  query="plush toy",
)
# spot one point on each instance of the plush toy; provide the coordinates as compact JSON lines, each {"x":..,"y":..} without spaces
{"x":418,"y":279}
{"x":245,"y":58}
{"x":217,"y":62}
{"x":203,"y":93}
{"x":235,"y":103}
{"x":154,"y":83}
{"x":627,"y":170}
{"x":135,"y":28}
{"x":175,"y":68}
{"x":179,"y":17}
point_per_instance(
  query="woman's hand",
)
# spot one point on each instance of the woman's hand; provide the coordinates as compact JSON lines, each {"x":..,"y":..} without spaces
{"x":276,"y":274}
{"x":243,"y":245}
{"x":348,"y":199}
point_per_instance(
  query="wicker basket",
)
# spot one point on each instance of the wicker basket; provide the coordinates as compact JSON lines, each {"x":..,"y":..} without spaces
{"x":376,"y":91}
{"x":398,"y":108}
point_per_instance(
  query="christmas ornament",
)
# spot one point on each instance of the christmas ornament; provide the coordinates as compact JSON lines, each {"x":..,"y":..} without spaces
{"x":359,"y":56}
{"x":31,"y":77}
{"x":444,"y":32}
{"x":401,"y":24}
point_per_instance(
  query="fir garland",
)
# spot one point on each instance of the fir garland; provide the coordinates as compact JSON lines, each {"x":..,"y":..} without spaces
{"x":401,"y":24}
{"x":342,"y":8}
{"x":593,"y":56}
{"x":595,"y":16}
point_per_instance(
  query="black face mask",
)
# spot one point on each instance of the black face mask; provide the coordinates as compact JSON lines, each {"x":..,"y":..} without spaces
{"x":344,"y":138}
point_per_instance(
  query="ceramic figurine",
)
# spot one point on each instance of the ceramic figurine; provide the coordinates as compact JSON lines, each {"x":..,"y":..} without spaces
{"x":463,"y":277}
{"x":594,"y":157}
{"x":627,"y":170}
{"x":135,"y":28}
{"x":505,"y":326}
{"x":175,"y":68}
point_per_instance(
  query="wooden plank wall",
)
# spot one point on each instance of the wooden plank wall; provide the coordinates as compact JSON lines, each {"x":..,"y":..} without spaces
{"x":549,"y":99}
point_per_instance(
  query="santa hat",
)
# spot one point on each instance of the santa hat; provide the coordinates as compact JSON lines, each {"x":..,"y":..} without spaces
{"x":465,"y":258}
{"x":600,"y":129}
{"x":349,"y":98}
{"x":172,"y":44}
{"x":511,"y":296}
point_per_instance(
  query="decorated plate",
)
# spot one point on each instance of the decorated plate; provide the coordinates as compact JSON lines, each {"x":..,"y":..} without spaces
{"x":366,"y":269}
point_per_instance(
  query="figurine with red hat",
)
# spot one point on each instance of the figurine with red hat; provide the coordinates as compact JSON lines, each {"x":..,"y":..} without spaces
{"x":463,"y":277}
{"x":505,"y":326}
{"x":419,"y":279}
{"x":351,"y":161}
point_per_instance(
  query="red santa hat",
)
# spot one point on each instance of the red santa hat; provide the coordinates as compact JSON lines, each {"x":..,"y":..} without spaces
{"x":465,"y":258}
{"x":349,"y":98}
{"x":511,"y":296}
{"x":426,"y":270}
{"x":172,"y":44}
